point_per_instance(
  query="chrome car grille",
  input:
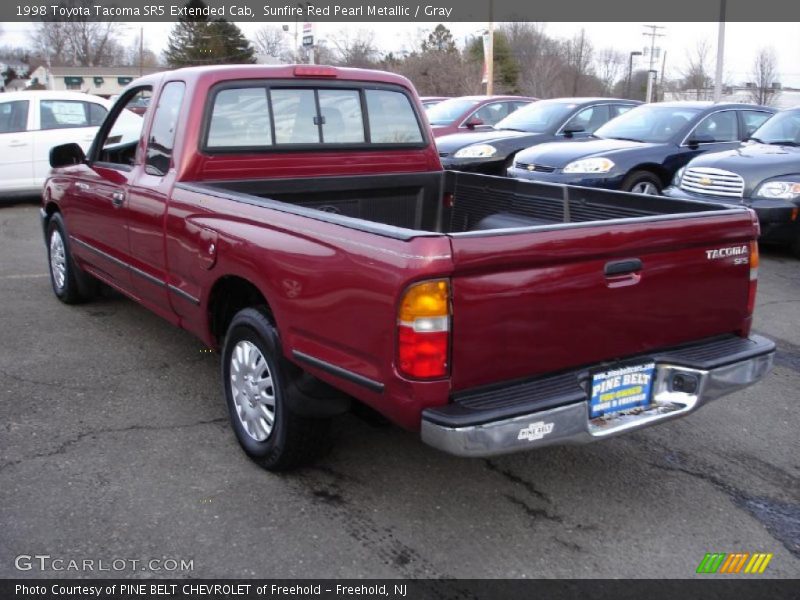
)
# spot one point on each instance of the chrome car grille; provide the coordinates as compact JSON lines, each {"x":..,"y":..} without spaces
{"x":713,"y":182}
{"x":532,"y":167}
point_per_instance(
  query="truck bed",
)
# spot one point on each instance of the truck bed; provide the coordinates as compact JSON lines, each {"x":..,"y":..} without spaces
{"x":445,"y":203}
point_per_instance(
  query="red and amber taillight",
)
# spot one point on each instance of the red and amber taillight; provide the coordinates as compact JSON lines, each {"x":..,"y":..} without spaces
{"x":751,"y":292}
{"x":423,"y":325}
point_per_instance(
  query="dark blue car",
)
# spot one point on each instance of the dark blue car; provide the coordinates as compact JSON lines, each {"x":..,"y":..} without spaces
{"x":641,"y":150}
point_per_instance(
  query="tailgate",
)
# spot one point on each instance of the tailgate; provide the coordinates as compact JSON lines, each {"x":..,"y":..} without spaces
{"x":541,"y":301}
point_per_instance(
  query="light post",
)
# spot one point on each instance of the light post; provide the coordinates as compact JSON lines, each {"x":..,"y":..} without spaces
{"x":630,"y":72}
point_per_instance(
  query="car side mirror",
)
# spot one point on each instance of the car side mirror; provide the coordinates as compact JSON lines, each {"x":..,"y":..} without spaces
{"x":570,"y":131}
{"x":474,"y":122}
{"x":66,"y":155}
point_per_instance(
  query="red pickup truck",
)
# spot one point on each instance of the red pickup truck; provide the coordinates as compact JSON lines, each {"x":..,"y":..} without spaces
{"x":297,"y":218}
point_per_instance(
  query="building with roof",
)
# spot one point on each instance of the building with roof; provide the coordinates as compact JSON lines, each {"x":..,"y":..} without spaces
{"x":101,"y":81}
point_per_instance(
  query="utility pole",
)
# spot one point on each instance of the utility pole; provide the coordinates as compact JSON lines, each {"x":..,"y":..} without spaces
{"x":141,"y":51}
{"x":720,"y":52}
{"x":490,"y":52}
{"x":652,"y":34}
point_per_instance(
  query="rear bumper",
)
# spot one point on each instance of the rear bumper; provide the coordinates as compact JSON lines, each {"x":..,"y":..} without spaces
{"x":555,"y":410}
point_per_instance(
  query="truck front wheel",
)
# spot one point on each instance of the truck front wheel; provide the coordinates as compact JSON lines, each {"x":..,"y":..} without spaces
{"x":255,"y":378}
{"x":70,"y":283}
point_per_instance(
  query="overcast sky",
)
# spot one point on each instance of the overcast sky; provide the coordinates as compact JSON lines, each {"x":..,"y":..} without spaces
{"x":743,"y":40}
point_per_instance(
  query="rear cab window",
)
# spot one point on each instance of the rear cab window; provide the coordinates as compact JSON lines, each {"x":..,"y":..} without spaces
{"x":269,"y":115}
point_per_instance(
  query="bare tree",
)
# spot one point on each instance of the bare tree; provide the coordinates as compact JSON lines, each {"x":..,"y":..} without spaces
{"x":271,"y":40}
{"x":539,"y":57}
{"x":357,"y":50}
{"x":440,"y":73}
{"x":609,"y":66}
{"x":696,"y":72}
{"x":78,"y":42}
{"x":578,"y":52}
{"x":765,"y":75}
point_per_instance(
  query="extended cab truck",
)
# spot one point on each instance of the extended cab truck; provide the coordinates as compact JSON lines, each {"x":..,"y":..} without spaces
{"x":298,"y":220}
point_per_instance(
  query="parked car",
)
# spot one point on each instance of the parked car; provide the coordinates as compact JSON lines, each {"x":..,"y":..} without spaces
{"x":471,"y":113}
{"x":492,"y":151}
{"x":32,"y":122}
{"x":430,"y":101}
{"x":641,"y":150}
{"x":356,"y":270}
{"x":763,"y":174}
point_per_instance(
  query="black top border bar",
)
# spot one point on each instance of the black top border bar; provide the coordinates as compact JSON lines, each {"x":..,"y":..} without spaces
{"x":432,"y":11}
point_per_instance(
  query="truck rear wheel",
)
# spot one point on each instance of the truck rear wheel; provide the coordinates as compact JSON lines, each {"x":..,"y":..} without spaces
{"x":70,"y":283}
{"x":255,"y":380}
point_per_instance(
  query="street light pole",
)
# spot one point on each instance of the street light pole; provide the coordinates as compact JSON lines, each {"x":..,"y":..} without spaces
{"x":720,"y":53}
{"x":630,"y":73}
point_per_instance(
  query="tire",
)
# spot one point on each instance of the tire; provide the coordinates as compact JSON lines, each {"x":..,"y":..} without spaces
{"x":643,"y":182}
{"x":794,"y":246}
{"x":70,"y":283}
{"x":255,"y":381}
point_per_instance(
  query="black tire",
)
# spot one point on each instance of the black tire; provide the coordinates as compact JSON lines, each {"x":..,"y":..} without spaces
{"x":293,"y":440}
{"x":71,"y":285}
{"x":794,"y":246}
{"x":636,"y":179}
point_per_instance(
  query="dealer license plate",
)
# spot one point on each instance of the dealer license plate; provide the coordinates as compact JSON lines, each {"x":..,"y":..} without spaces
{"x":621,"y":389}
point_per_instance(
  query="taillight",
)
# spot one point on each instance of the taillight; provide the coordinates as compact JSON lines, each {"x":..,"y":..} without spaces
{"x":751,"y":292}
{"x":423,"y":324}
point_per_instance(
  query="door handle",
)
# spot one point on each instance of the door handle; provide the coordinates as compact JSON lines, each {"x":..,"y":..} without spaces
{"x":622,"y":273}
{"x":118,"y":198}
{"x":16,"y":144}
{"x":623,"y":267}
{"x":83,"y":186}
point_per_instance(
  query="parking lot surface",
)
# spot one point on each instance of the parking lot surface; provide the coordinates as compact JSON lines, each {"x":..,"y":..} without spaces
{"x":115,"y":444}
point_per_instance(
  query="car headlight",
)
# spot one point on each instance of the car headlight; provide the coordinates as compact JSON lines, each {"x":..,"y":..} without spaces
{"x":476,"y":151}
{"x":783,"y":190}
{"x":589,"y":165}
{"x":676,"y":181}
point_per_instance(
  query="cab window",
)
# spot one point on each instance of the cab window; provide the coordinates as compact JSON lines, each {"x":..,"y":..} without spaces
{"x":165,"y":123}
{"x":118,"y":146}
{"x":14,"y":116}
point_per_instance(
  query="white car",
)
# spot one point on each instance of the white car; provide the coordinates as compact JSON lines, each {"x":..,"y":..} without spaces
{"x":32,"y":122}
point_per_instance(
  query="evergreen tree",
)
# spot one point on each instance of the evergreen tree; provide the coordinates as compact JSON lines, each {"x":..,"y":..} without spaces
{"x":439,"y":40}
{"x":196,"y":40}
{"x":506,"y":68}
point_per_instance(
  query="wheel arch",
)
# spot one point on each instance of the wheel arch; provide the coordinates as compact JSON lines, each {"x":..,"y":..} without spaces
{"x":228,"y":295}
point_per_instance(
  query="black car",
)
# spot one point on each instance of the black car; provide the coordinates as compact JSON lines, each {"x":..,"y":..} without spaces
{"x":763,"y":174}
{"x":492,"y":151}
{"x":641,"y":150}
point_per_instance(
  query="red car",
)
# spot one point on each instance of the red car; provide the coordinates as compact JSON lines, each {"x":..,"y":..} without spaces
{"x":472,"y":113}
{"x":297,"y":219}
{"x":429,"y":102}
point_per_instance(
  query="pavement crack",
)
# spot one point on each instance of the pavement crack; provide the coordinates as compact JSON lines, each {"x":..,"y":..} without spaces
{"x":532,"y":512}
{"x":516,"y":479}
{"x":67,"y":444}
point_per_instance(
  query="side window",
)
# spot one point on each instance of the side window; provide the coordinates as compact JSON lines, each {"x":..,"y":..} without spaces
{"x":118,"y":147}
{"x":620,"y":109}
{"x":518,"y":105}
{"x":97,"y":114}
{"x":391,"y":118}
{"x":14,"y":116}
{"x":753,"y":119}
{"x":589,"y":119}
{"x":165,"y":122}
{"x":295,"y":114}
{"x":491,"y":113}
{"x":719,"y":127}
{"x":342,"y":121}
{"x":60,"y":114}
{"x":240,"y":118}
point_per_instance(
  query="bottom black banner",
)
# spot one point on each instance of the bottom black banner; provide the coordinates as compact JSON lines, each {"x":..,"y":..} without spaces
{"x":394,"y":589}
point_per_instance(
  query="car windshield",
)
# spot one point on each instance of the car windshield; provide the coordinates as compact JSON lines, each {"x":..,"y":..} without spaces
{"x":651,"y":124}
{"x":448,"y":111}
{"x":538,"y":117}
{"x":782,"y":129}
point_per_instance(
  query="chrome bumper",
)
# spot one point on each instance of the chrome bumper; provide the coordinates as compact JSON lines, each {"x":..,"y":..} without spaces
{"x":570,"y":424}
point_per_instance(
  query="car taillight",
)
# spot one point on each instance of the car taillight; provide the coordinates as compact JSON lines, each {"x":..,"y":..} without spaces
{"x":423,"y":325}
{"x":751,"y":292}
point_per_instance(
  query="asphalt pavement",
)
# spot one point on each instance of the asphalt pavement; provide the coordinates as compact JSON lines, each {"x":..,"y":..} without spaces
{"x":115,"y":445}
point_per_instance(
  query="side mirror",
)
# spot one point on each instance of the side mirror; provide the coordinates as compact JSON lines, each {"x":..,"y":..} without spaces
{"x":474,"y":122}
{"x":66,"y":155}
{"x":571,"y":130}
